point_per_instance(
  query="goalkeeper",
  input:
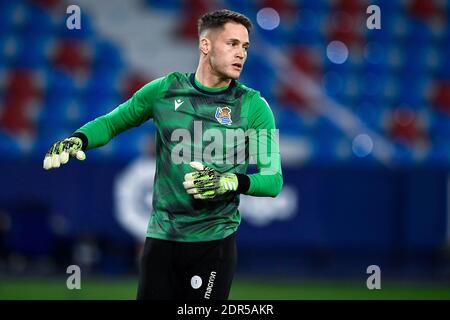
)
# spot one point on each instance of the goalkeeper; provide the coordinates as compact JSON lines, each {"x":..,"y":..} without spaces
{"x":190,"y":247}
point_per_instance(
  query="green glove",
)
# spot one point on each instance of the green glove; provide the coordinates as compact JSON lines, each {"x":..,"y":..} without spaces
{"x":61,"y":150}
{"x":207,"y":183}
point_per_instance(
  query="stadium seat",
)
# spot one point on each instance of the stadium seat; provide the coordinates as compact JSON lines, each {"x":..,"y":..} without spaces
{"x":165,"y":4}
{"x":106,"y":58}
{"x":71,"y":56}
{"x":255,"y":66}
{"x":31,"y":52}
{"x":38,"y":22}
{"x":245,"y":7}
{"x":441,"y":96}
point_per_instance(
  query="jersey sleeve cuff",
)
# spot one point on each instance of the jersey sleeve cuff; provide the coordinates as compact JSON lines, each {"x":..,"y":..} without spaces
{"x":243,"y":182}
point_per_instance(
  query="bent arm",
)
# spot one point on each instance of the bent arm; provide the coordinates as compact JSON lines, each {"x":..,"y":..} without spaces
{"x":264,"y":148}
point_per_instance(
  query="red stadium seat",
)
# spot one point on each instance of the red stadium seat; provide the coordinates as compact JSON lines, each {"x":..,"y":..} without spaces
{"x":293,"y":98}
{"x":21,"y":93}
{"x":424,"y":9}
{"x":20,"y":86}
{"x":441,"y":96}
{"x":352,"y":7}
{"x":405,"y":128}
{"x":71,"y":56}
{"x":305,"y":59}
{"x":191,"y":12}
{"x":47,"y":4}
{"x":344,"y":21}
{"x":132,"y":83}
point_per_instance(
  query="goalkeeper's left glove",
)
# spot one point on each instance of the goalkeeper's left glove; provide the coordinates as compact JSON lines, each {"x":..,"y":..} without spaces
{"x":207,"y":183}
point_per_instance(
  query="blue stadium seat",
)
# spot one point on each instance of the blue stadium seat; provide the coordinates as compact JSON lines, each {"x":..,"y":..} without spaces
{"x":372,"y":84}
{"x":32,"y":52}
{"x":375,"y":57}
{"x":255,"y":67}
{"x":443,"y":71}
{"x":6,"y":12}
{"x":4,"y":39}
{"x":245,"y":7}
{"x":95,"y":105}
{"x":412,"y":90}
{"x":315,"y":5}
{"x":165,"y":4}
{"x":38,"y":22}
{"x":414,"y":57}
{"x":277,"y":37}
{"x":55,"y":109}
{"x":306,"y":35}
{"x":60,"y":83}
{"x":106,"y":58}
{"x":60,"y":91}
{"x":389,"y":5}
{"x":440,"y":127}
{"x":288,"y":121}
{"x":99,"y":95}
{"x":102,"y":83}
{"x":420,"y":32}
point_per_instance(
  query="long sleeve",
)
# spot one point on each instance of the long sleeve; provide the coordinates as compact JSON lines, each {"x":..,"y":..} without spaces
{"x":264,"y":146}
{"x":132,"y":113}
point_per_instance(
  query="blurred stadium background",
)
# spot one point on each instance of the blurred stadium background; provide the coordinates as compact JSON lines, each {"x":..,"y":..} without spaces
{"x":364,"y":118}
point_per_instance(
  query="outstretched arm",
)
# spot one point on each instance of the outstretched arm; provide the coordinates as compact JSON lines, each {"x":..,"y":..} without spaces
{"x":98,"y":132}
{"x":132,"y":113}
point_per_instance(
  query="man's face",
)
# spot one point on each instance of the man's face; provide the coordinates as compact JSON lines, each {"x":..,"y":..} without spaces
{"x":228,"y":51}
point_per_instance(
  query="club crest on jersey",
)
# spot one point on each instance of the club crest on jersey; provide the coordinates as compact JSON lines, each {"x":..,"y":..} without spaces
{"x":223,"y":115}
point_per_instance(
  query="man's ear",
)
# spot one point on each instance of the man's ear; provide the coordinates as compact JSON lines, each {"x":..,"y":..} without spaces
{"x":205,"y":46}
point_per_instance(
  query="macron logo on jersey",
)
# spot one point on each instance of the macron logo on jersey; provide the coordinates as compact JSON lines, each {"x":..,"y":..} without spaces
{"x":178,"y":103}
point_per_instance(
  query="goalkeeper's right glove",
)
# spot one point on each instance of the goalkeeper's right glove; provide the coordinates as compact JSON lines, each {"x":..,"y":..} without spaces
{"x":207,"y":183}
{"x":61,"y":150}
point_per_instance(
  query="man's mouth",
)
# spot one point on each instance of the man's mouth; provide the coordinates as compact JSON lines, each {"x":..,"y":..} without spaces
{"x":237,"y":65}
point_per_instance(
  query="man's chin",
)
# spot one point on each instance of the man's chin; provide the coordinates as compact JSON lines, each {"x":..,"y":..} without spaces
{"x":234,"y":75}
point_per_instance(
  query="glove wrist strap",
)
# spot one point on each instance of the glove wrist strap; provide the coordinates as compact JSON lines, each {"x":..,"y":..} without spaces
{"x":243,"y":182}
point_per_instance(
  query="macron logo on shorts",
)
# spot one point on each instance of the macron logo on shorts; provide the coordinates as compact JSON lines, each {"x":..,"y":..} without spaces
{"x":209,"y":288}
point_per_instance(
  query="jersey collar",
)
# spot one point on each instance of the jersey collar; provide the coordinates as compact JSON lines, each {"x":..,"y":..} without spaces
{"x":215,"y":92}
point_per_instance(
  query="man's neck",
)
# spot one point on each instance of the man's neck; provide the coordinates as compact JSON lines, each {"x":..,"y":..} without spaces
{"x":208,"y":78}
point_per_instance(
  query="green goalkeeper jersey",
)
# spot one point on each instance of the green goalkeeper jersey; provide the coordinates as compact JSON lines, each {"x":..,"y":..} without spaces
{"x":224,"y":128}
